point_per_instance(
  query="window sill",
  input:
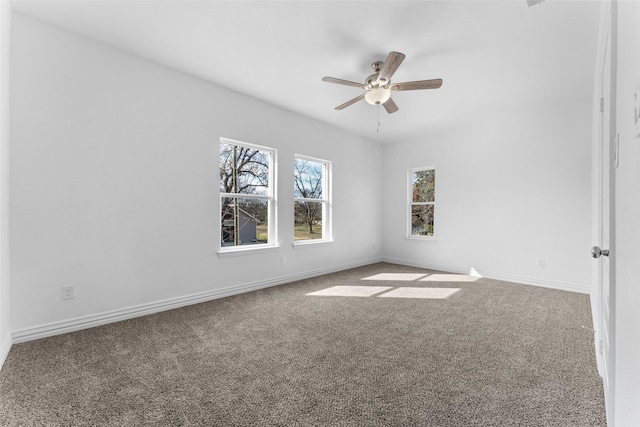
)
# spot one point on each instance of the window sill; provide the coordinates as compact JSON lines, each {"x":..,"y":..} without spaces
{"x":242,"y":251}
{"x":422,"y":239}
{"x":304,"y":244}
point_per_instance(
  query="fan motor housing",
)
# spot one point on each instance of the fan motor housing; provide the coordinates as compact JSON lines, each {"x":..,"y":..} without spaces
{"x":372,"y":81}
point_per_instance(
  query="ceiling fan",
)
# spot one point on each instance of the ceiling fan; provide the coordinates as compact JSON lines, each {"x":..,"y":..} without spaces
{"x":378,"y":86}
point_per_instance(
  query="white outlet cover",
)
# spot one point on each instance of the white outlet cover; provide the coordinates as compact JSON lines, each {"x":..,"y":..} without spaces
{"x":67,"y":292}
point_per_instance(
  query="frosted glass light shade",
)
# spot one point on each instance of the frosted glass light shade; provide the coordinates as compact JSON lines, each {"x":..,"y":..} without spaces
{"x":377,"y":95}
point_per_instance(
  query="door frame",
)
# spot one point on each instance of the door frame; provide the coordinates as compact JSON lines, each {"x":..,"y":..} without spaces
{"x":606,"y":99}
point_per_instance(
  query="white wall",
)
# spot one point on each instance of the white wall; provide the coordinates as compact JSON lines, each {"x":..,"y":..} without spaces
{"x":512,"y":187}
{"x":5,"y":289}
{"x":627,"y":232}
{"x":114,"y":183}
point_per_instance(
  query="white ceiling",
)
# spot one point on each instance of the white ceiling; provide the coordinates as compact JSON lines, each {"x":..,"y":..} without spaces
{"x":490,"y":54}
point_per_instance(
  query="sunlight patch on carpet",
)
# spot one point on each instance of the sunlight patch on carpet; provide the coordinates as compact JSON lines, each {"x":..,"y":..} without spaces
{"x":405,"y":277}
{"x":431,"y":293}
{"x":449,"y":278}
{"x":351,"y":291}
{"x":385,"y":292}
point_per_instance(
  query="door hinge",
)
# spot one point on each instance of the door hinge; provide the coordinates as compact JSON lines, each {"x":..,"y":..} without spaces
{"x":602,"y":105}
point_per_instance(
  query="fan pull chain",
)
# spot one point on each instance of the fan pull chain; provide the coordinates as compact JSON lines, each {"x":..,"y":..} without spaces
{"x":378,"y":128}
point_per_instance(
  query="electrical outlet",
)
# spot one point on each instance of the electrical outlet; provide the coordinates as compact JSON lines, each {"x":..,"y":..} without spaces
{"x":283,"y":260}
{"x":541,"y":263}
{"x":67,"y":292}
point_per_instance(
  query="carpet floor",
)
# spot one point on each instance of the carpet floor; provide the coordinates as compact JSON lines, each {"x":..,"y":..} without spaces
{"x":380,"y":345}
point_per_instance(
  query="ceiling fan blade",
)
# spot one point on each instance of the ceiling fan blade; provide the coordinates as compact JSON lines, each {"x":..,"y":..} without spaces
{"x":350,"y":102}
{"x":420,"y":84}
{"x":342,"y":82}
{"x":390,"y":106}
{"x":390,"y":66}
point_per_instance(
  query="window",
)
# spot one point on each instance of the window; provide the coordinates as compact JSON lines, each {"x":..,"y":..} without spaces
{"x":246,"y":195}
{"x":422,"y":184}
{"x":311,"y":216}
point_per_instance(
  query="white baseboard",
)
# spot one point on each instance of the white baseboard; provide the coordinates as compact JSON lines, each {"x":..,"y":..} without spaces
{"x":5,"y":348}
{"x":90,"y":321}
{"x":571,"y":287}
{"x":430,"y":266}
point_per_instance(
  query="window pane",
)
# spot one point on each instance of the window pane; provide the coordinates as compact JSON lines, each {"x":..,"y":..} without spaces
{"x":244,"y":221}
{"x":243,"y":170}
{"x":307,"y":220}
{"x":424,"y":183}
{"x":422,"y":220}
{"x":307,"y":179}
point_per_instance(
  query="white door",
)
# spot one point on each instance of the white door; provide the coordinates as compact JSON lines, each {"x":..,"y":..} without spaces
{"x":606,"y":306}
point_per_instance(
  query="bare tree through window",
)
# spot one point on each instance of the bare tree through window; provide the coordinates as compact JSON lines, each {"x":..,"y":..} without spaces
{"x":245,"y":194}
{"x":310,"y":190}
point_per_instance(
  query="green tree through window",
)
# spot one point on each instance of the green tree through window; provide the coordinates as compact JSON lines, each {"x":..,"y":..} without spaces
{"x":422,"y":202}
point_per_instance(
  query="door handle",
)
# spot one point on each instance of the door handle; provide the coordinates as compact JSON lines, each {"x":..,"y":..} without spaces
{"x":596,"y":252}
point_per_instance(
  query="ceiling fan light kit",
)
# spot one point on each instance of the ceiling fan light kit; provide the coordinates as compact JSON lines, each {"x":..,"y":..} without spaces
{"x":378,"y":86}
{"x":377,"y":95}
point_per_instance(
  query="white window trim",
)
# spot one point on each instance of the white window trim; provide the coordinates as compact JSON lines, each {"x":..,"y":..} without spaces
{"x":235,"y":251}
{"x":327,"y":235}
{"x":229,"y":251}
{"x":410,"y":203}
{"x":303,"y":244}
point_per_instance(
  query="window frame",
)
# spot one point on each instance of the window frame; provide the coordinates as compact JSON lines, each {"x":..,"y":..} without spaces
{"x":411,"y":203}
{"x":269,"y":197}
{"x":327,"y":235}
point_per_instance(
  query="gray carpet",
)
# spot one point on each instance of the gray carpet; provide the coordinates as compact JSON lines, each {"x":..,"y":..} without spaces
{"x":491,"y":354}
